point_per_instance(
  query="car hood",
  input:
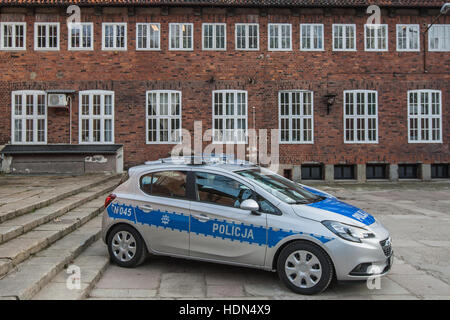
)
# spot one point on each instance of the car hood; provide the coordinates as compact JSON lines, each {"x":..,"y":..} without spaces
{"x":334,"y":209}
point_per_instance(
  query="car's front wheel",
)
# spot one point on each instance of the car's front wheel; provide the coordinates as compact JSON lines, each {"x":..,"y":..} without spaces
{"x":305,"y":268}
{"x":126,"y":246}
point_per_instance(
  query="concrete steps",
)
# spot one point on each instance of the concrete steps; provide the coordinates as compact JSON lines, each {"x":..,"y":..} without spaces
{"x":17,"y":226}
{"x":17,"y":204}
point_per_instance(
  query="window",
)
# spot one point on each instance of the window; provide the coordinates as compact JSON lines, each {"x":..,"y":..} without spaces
{"x":247,"y":36}
{"x":81,"y":36}
{"x":440,"y":171}
{"x":29,"y":117}
{"x":114,"y":36}
{"x":214,"y":36}
{"x":46,"y":36}
{"x":296,"y":116}
{"x":424,"y":116}
{"x":312,"y":172}
{"x":181,"y":36}
{"x":220,"y":190}
{"x":13,"y":35}
{"x":344,"y":37}
{"x":408,"y":171}
{"x":163,"y":116}
{"x":376,"y":171}
{"x":408,"y":37}
{"x":280,"y":36}
{"x":439,"y":37}
{"x":230,"y":116}
{"x":344,"y":172}
{"x":361,"y":116}
{"x":148,"y":36}
{"x":170,"y":184}
{"x":376,"y":37}
{"x":96,"y":116}
{"x":311,"y":37}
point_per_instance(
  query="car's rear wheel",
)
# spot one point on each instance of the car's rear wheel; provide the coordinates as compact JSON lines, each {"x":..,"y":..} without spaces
{"x":126,"y":246}
{"x":304,"y":268}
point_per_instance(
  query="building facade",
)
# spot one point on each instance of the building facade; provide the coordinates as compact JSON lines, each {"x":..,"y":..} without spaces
{"x":350,"y":100}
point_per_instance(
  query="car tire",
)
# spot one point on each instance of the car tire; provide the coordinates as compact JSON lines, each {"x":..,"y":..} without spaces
{"x":305,"y":268}
{"x":126,"y":247}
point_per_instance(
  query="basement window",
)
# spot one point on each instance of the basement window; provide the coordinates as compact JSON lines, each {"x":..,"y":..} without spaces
{"x":408,"y":171}
{"x":376,"y":171}
{"x":440,"y":171}
{"x":312,"y":172}
{"x":344,"y":172}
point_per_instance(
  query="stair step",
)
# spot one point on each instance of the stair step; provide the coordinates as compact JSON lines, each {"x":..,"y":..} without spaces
{"x":22,"y":224}
{"x":92,"y":263}
{"x":32,"y":275}
{"x":23,"y":204}
{"x":19,"y":249}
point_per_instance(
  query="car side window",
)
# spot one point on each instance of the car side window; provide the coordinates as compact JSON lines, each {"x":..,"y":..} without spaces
{"x":220,"y":190}
{"x":265,"y":206}
{"x":171,"y":184}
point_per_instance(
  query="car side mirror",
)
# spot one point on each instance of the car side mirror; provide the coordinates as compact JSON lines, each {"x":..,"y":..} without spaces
{"x":250,"y":205}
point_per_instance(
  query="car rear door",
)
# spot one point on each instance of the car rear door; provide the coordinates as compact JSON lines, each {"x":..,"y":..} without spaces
{"x":220,"y":230}
{"x":162,"y":211}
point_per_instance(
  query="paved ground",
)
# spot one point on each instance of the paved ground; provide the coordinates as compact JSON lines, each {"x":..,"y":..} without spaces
{"x":417,"y":215}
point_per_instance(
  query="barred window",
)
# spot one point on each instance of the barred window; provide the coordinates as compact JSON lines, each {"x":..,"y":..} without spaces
{"x":114,"y":36}
{"x":29,"y":117}
{"x":96,"y":116}
{"x":181,"y":36}
{"x":81,"y":36}
{"x":148,"y":36}
{"x":13,"y":35}
{"x":46,"y":36}
{"x":424,"y":116}
{"x":311,"y":37}
{"x":247,"y":36}
{"x":229,"y":116}
{"x":163,"y":116}
{"x":361,"y":116}
{"x":376,"y":36}
{"x":280,"y":36}
{"x":214,"y":36}
{"x":296,"y":116}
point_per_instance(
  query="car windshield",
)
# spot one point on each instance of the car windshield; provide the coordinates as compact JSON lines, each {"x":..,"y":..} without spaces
{"x":282,"y":188}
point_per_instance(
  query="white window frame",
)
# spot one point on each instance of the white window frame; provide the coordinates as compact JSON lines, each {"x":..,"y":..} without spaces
{"x":312,"y":25}
{"x":81,"y":26}
{"x":115,"y":47}
{"x":292,"y":117}
{"x":278,"y":36}
{"x":214,"y":36}
{"x":446,"y":32}
{"x":92,"y":117}
{"x":377,"y":44}
{"x":158,"y":117}
{"x":408,"y":37}
{"x":428,"y":116}
{"x":246,"y":25}
{"x":353,"y":26}
{"x":147,"y":45}
{"x":35,"y":117}
{"x":14,"y":24}
{"x":180,"y":25}
{"x":47,"y":26}
{"x":355,"y":116}
{"x":235,"y":117}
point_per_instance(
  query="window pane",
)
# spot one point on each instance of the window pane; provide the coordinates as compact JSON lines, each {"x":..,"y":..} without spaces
{"x":170,"y":184}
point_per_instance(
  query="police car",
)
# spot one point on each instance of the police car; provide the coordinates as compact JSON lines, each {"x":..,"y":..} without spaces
{"x":234,"y":212}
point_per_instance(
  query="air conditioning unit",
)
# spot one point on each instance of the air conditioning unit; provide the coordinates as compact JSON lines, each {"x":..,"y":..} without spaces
{"x":57,"y":100}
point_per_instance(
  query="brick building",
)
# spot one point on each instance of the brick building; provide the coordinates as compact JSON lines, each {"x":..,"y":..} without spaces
{"x":351,"y":101}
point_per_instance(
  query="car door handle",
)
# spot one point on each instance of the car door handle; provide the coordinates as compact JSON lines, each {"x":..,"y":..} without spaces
{"x":201,"y":217}
{"x":146,"y":208}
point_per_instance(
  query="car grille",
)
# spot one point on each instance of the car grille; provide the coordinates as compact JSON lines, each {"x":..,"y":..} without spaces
{"x":386,"y":246}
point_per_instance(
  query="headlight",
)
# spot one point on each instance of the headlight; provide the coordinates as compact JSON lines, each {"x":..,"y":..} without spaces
{"x":348,"y":232}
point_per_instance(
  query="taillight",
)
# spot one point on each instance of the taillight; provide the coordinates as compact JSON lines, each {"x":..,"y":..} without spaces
{"x":109,"y":199}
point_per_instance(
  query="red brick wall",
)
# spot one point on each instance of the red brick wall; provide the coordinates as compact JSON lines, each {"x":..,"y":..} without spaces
{"x":131,"y":73}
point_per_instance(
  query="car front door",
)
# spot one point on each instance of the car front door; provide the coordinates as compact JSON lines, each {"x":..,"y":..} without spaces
{"x":162,"y":211}
{"x":220,"y":230}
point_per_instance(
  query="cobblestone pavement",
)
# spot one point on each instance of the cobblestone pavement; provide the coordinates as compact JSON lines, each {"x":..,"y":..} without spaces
{"x":417,"y":215}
